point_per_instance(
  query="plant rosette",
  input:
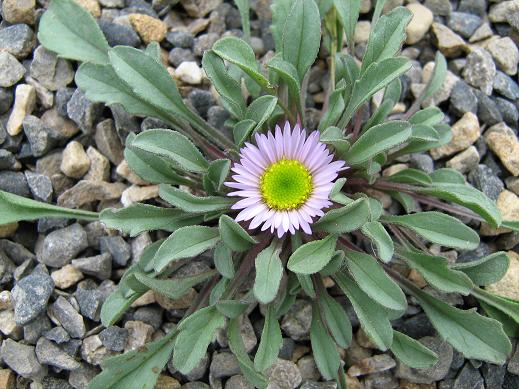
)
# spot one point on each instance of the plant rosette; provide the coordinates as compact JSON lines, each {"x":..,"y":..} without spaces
{"x":281,"y":204}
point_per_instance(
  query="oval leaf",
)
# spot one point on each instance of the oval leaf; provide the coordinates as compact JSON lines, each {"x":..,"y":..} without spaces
{"x":269,"y":271}
{"x":313,"y":256}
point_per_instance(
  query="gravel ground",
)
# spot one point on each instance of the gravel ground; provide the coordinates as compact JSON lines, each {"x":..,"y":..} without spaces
{"x":58,"y":147}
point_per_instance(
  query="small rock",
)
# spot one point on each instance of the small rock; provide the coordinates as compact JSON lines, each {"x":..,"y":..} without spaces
{"x":19,"y":11}
{"x":439,"y":7}
{"x":8,"y":326}
{"x":66,"y":277}
{"x":508,"y":111}
{"x":75,"y":162}
{"x":30,"y":296}
{"x":40,"y":186}
{"x":52,"y":72}
{"x":57,"y":335}
{"x":181,"y":39}
{"x":167,"y":382}
{"x":480,"y":70}
{"x":99,"y":266}
{"x":374,"y":364}
{"x":89,"y":300}
{"x":238,"y":382}
{"x":181,"y":303}
{"x":363,"y":30}
{"x":296,"y":323}
{"x":83,"y":112}
{"x":419,"y":24}
{"x":504,"y":143}
{"x":108,"y":141}
{"x":18,"y":40}
{"x":476,"y":7}
{"x":178,"y":55}
{"x":483,"y":32}
{"x":7,"y":379}
{"x":469,"y":377}
{"x":449,"y":43}
{"x":93,"y":351}
{"x":114,"y":338}
{"x":499,"y":11}
{"x":11,"y":71}
{"x":464,"y":133}
{"x":462,"y":99}
{"x":464,"y":24}
{"x":99,"y":166}
{"x":60,"y":246}
{"x":21,"y":358}
{"x":308,"y":368}
{"x":139,"y":334}
{"x":201,"y":100}
{"x":124,"y":170}
{"x":464,"y":161}
{"x":505,"y":86}
{"x":204,"y":42}
{"x":224,"y":364}
{"x":68,"y":317}
{"x":85,"y":192}
{"x":488,"y":111}
{"x":14,"y":182}
{"x":36,"y":328}
{"x":117,"y":247}
{"x":50,"y":354}
{"x":149,"y":29}
{"x":493,"y":375}
{"x":505,"y":53}
{"x":40,"y":137}
{"x":24,"y":103}
{"x":284,"y":374}
{"x":434,"y":373}
{"x":513,"y":364}
{"x":507,"y":286}
{"x":91,"y":6}
{"x":484,"y":179}
{"x":200,"y":8}
{"x":135,"y":194}
{"x":5,"y":300}
{"x":189,"y":72}
{"x":119,"y":34}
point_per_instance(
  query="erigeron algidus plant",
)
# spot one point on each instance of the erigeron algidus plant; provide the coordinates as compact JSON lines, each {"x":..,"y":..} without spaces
{"x":282,"y":203}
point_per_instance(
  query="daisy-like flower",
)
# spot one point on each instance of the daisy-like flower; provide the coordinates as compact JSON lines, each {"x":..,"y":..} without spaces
{"x":284,"y":181}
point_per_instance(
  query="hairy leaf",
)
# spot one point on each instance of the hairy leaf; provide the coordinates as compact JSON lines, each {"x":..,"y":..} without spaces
{"x":313,"y":256}
{"x":485,"y":271}
{"x":269,"y":271}
{"x":411,"y":352}
{"x":223,"y":260}
{"x":325,"y":352}
{"x":270,"y":342}
{"x":378,"y":235}
{"x":346,"y":219}
{"x":336,"y":319}
{"x":191,"y":203}
{"x":233,"y":235}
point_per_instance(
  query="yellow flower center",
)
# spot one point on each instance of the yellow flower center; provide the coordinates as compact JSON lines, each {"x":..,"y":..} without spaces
{"x":286,"y":185}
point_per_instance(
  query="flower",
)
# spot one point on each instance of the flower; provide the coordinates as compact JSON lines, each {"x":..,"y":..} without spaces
{"x":284,"y":181}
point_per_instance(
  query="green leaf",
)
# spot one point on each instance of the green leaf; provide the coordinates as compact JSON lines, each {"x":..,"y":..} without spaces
{"x":336,"y":107}
{"x":411,"y":176}
{"x":437,"y":77}
{"x":101,"y":84}
{"x":346,"y":219}
{"x":372,"y":316}
{"x":305,"y":281}
{"x":348,"y":12}
{"x":260,"y":110}
{"x":191,"y":203}
{"x":174,"y":288}
{"x":288,"y":73}
{"x":376,"y":140}
{"x":509,"y":326}
{"x":122,"y":297}
{"x":471,"y":334}
{"x":153,"y":51}
{"x":423,"y":133}
{"x":436,"y":272}
{"x":149,"y":80}
{"x":151,"y":167}
{"x":487,"y":270}
{"x":223,"y":260}
{"x":196,"y":332}
{"x":411,"y":352}
{"x":511,"y":224}
{"x":325,"y":352}
{"x":69,"y":30}
{"x":280,"y":11}
{"x":406,"y":201}
{"x":429,"y":116}
{"x":269,"y":271}
{"x":244,"y":8}
{"x":186,"y":242}
{"x":378,"y":235}
{"x":302,"y":35}
{"x":232,"y":308}
{"x":135,"y":369}
{"x":504,"y":305}
{"x":469,"y":197}
{"x":373,"y":280}
{"x":377,"y":76}
{"x":313,"y":256}
{"x":447,"y":176}
{"x":138,"y":218}
{"x":380,"y":115}
{"x":14,"y":208}
{"x":233,"y":235}
{"x":334,"y":265}
{"x":173,"y":147}
{"x":270,"y":342}
{"x":336,"y":319}
{"x":238,"y":52}
{"x":387,"y":37}
{"x":218,"y":171}
{"x":442,"y":133}
{"x":238,"y":349}
{"x":227,"y":87}
{"x":243,"y":130}
{"x":438,"y":228}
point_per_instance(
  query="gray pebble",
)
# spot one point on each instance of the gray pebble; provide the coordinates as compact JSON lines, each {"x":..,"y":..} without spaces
{"x":30,"y":296}
{"x":484,"y":179}
{"x":201,"y":100}
{"x":114,"y":338}
{"x":463,"y":99}
{"x":11,"y":71}
{"x":480,"y":70}
{"x":181,"y":39}
{"x":488,"y":112}
{"x":508,"y":111}
{"x":41,"y":137}
{"x":506,"y":86}
{"x":35,"y":329}
{"x":40,"y":186}
{"x":99,"y":266}
{"x":49,"y":353}
{"x":83,"y":112}
{"x":57,"y":335}
{"x":468,"y":378}
{"x":6,"y":100}
{"x":119,"y":34}
{"x":89,"y":300}
{"x":464,"y":24}
{"x":63,"y":96}
{"x":60,"y":246}
{"x":224,"y":364}
{"x":21,"y":358}
{"x":7,"y":159}
{"x":178,"y":55}
{"x":14,"y":182}
{"x":117,"y":247}
{"x":151,"y":315}
{"x":52,"y":72}
{"x":19,"y":40}
{"x":68,"y":317}
{"x":476,"y":7}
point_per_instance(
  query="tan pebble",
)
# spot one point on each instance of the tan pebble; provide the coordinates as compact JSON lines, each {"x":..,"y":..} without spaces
{"x":508,"y":286}
{"x":420,"y":23}
{"x":181,"y":303}
{"x":135,"y":194}
{"x":146,"y":299}
{"x":75,"y":162}
{"x":149,"y":29}
{"x":91,"y":6}
{"x":19,"y":11}
{"x":6,"y":230}
{"x":66,"y":277}
{"x":24,"y":102}
{"x":508,"y":204}
{"x":7,"y":379}
{"x":504,"y":143}
{"x":99,"y":166}
{"x":449,"y":43}
{"x":5,"y":300}
{"x":464,"y":133}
